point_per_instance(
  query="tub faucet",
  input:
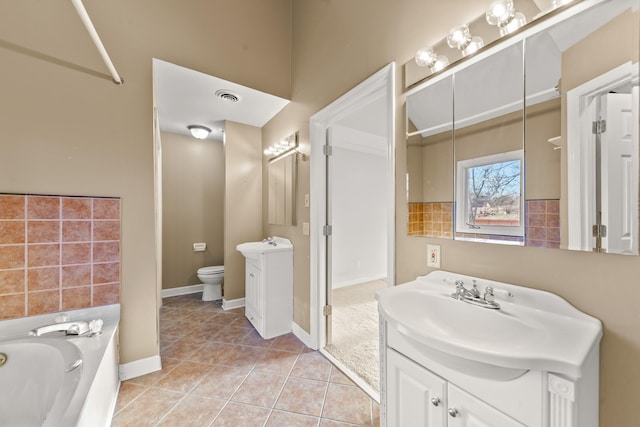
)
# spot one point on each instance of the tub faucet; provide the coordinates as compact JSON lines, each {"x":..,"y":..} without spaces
{"x":69,"y":328}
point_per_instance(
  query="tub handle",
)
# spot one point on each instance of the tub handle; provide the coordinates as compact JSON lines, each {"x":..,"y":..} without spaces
{"x":3,"y":359}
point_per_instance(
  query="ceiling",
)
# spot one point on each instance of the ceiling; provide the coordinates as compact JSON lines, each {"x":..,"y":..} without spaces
{"x":186,"y":97}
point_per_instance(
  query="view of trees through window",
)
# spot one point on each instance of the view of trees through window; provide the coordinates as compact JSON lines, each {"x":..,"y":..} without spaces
{"x":494,"y":194}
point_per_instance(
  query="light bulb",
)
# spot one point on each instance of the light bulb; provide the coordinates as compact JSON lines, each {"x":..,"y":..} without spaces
{"x":426,"y":57}
{"x":474,"y":45}
{"x":441,"y":62}
{"x":500,"y":12}
{"x":459,"y":37}
{"x":198,"y":131}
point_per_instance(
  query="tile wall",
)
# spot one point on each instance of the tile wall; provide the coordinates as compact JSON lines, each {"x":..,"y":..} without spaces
{"x":58,"y":253}
{"x":543,"y":223}
{"x":431,"y":219}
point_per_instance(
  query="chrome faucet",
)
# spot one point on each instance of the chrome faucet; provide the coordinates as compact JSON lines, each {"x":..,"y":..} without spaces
{"x":472,"y":296}
{"x":78,"y":327}
{"x":270,"y":241}
{"x":69,"y":328}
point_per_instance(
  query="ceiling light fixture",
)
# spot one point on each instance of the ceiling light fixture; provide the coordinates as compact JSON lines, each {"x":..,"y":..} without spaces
{"x":502,"y":14}
{"x":460,"y":38}
{"x":199,"y":131}
{"x":428,"y":58}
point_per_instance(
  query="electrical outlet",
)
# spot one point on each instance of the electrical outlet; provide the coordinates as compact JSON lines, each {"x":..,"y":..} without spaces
{"x":433,"y":251}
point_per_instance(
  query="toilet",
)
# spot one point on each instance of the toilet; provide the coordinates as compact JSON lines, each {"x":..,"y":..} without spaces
{"x":212,"y":278}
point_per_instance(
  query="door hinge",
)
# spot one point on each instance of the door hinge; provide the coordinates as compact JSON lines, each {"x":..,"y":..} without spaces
{"x":599,"y":126}
{"x":599,"y":231}
{"x":326,"y":230}
{"x":326,"y":310}
{"x":327,"y":150}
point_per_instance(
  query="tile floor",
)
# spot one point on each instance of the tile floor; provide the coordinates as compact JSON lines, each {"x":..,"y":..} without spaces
{"x":218,"y":371}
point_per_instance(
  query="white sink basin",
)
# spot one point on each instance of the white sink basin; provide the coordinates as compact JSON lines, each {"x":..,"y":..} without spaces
{"x":534,"y":330}
{"x":256,"y":249}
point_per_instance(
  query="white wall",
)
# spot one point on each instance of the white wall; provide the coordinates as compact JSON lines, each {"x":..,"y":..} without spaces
{"x":359,"y":238}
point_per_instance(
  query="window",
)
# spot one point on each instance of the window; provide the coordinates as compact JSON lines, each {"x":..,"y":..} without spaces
{"x":489,"y":195}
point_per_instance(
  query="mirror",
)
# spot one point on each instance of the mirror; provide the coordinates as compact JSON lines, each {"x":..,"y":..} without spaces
{"x":574,"y":135}
{"x":282,"y":181}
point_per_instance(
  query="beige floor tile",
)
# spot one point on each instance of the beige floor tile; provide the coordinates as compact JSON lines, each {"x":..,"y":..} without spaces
{"x":239,"y":415}
{"x":282,"y":419}
{"x":302,"y":396}
{"x":332,"y":423}
{"x":193,"y":411}
{"x":253,"y":338}
{"x":182,"y":348}
{"x":246,"y":357}
{"x":154,"y":377}
{"x":215,"y":353}
{"x":276,"y":362}
{"x":147,"y":409}
{"x":232,"y":334}
{"x":337,"y":376}
{"x":312,"y":366}
{"x":348,"y":404}
{"x":288,"y":342}
{"x":128,"y":391}
{"x":260,"y":389}
{"x":221,"y":382}
{"x":184,"y":377}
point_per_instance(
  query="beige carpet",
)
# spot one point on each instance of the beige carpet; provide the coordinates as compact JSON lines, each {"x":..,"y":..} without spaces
{"x":355,"y":330}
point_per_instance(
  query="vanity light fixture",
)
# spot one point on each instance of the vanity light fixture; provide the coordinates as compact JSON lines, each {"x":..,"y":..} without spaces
{"x":283,"y":148}
{"x":558,"y":3}
{"x":502,"y":14}
{"x":199,"y":131}
{"x":428,"y":58}
{"x":460,"y":38}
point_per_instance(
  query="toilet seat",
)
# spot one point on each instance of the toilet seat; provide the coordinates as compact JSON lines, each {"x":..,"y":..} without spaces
{"x":214,"y":270}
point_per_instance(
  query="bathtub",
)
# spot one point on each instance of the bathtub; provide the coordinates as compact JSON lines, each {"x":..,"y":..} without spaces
{"x":58,"y":381}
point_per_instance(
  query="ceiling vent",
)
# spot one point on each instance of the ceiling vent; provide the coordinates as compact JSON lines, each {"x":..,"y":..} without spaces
{"x":227,"y":95}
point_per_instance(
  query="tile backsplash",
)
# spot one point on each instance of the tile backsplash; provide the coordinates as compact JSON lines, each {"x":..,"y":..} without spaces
{"x":431,"y":219}
{"x":58,"y":253}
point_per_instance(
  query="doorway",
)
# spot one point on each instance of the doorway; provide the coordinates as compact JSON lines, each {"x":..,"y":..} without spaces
{"x":353,"y":213}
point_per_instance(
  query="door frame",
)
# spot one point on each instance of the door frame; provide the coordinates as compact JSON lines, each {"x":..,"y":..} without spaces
{"x":580,"y":155}
{"x":382,"y":82}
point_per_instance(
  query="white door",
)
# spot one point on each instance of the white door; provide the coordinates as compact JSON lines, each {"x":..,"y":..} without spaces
{"x":416,"y":396}
{"x":619,"y":172}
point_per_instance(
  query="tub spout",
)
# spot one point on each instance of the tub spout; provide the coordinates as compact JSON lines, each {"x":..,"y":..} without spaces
{"x":69,"y":328}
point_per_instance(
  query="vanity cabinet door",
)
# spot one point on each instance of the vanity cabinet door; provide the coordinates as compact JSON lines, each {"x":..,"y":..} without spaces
{"x":464,"y":410}
{"x":253,"y":295}
{"x":416,"y":397}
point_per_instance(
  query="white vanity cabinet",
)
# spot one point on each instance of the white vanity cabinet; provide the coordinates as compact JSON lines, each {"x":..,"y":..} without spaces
{"x":531,"y":360}
{"x":418,"y":397}
{"x":269,"y":286}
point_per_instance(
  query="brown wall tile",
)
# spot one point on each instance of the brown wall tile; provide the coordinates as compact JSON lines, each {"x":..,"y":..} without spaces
{"x":39,"y":279}
{"x":12,"y":306}
{"x":43,"y":207}
{"x":76,"y":231}
{"x":12,"y":207}
{"x":11,"y":257}
{"x":11,"y":282}
{"x":76,"y":253}
{"x":74,"y":298}
{"x":106,"y":251}
{"x":43,"y":231}
{"x":76,"y":208}
{"x":43,"y":255}
{"x":106,"y":294}
{"x":106,"y":273}
{"x":11,"y":232}
{"x":106,"y":209}
{"x":106,"y":230}
{"x":43,"y":302}
{"x":76,"y":275}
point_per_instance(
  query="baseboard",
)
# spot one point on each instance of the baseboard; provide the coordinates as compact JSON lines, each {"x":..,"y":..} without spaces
{"x":357,"y":281}
{"x":139,"y":367}
{"x":231,"y":304}
{"x":303,"y":336}
{"x":183,"y":290}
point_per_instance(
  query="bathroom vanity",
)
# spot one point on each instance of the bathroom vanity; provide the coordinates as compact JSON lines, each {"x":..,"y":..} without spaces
{"x":448,"y":361}
{"x":269,"y":285}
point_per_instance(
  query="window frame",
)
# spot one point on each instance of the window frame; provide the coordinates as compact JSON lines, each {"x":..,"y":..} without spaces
{"x":462,"y":192}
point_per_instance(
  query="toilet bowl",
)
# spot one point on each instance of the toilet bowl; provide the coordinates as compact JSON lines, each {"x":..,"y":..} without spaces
{"x":212,"y":278}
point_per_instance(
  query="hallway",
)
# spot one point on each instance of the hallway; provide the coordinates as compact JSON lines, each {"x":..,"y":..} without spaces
{"x":224,"y":374}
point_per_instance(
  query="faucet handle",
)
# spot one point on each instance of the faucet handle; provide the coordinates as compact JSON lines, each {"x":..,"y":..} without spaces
{"x":488,"y":294}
